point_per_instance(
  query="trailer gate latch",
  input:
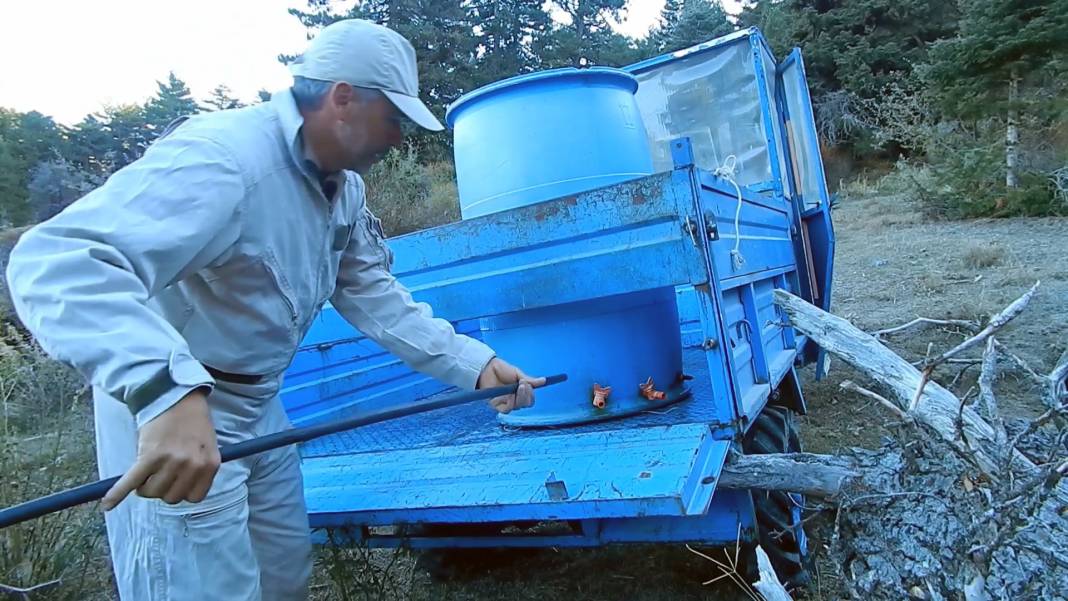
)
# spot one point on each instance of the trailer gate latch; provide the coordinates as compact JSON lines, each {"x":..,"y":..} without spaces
{"x":556,"y":488}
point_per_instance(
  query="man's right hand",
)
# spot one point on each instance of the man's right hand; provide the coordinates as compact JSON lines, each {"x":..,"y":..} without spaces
{"x":177,"y":456}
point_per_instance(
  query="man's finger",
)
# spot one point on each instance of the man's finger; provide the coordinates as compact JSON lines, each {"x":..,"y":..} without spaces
{"x":158,"y":484}
{"x":503,"y":404}
{"x":535,"y":382}
{"x":205,"y":477}
{"x":128,"y":483}
{"x":180,"y":488}
{"x":524,"y":396}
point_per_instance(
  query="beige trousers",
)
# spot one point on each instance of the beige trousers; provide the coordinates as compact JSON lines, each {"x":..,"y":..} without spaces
{"x":247,"y":541}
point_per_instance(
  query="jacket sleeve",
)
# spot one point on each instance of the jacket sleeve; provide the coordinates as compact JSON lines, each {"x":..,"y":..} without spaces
{"x":81,"y":280}
{"x":373,"y":301}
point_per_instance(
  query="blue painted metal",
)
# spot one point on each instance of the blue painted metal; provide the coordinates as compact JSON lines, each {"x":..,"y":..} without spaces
{"x":615,"y":342}
{"x":648,"y":477}
{"x":546,"y":135}
{"x":814,"y":214}
{"x":657,"y":471}
{"x":568,"y":131}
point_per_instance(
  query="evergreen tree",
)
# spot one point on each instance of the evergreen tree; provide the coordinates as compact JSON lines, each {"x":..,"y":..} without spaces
{"x":684,"y":23}
{"x":171,"y":101}
{"x":509,"y":33}
{"x":26,"y":139}
{"x":1005,"y":50}
{"x":221,"y":99}
{"x":860,"y":46}
{"x":14,"y":207}
{"x":587,"y":34}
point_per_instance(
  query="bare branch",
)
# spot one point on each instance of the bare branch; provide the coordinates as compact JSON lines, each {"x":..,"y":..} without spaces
{"x":1037,"y":423}
{"x":813,"y":475}
{"x":768,"y":585}
{"x":986,"y":392}
{"x":996,"y":323}
{"x":1020,"y":363}
{"x":964,"y":323}
{"x":850,"y":385}
{"x":1056,"y":386}
{"x":937,"y":407}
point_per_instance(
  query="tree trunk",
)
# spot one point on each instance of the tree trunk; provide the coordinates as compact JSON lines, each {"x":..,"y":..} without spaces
{"x":1012,"y":133}
{"x":823,"y":476}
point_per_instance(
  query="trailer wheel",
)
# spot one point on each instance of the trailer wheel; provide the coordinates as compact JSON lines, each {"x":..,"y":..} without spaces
{"x":778,"y":514}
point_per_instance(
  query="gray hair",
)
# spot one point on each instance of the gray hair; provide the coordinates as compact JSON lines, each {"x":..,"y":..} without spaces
{"x":311,"y":93}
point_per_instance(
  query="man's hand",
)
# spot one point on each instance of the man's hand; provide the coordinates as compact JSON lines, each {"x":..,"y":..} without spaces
{"x":177,"y":456}
{"x":502,"y":373}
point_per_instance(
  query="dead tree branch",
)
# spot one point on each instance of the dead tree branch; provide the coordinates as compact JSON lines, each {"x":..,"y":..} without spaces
{"x":822,"y":476}
{"x":963,"y":323}
{"x":1020,"y":363}
{"x":1056,"y":392}
{"x":986,"y":393}
{"x":768,"y":586}
{"x":850,"y":385}
{"x":996,"y":323}
{"x":936,"y":407}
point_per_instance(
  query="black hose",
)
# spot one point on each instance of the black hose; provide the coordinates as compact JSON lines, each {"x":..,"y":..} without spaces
{"x":96,"y":490}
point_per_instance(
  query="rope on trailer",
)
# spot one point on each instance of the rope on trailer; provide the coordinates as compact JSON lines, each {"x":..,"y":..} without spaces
{"x":726,"y":171}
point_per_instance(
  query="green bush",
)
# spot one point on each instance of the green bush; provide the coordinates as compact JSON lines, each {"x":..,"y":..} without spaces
{"x":45,"y":446}
{"x":408,"y":195}
{"x":963,"y":177}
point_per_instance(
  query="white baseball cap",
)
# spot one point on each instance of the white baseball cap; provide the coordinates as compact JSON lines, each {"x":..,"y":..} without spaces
{"x":367,"y":55}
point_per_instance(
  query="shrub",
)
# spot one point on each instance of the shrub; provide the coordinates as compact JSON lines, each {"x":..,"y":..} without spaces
{"x":408,"y":195}
{"x":45,"y":446}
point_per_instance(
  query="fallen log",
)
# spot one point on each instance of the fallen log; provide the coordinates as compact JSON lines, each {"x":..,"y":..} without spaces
{"x":937,"y":408}
{"x":821,"y":476}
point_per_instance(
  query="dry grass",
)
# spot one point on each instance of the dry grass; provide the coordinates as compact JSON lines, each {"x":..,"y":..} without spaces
{"x":981,"y":256}
{"x":46,"y":445}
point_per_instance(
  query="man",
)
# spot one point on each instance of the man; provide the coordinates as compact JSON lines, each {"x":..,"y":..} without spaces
{"x":182,"y":287}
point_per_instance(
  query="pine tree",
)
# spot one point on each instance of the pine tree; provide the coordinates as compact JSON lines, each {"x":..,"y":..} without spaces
{"x":587,"y":34}
{"x":860,"y":46}
{"x":14,"y":205}
{"x":684,"y":23}
{"x":171,"y":101}
{"x":221,"y":99}
{"x":1005,"y":48}
{"x":509,"y":32}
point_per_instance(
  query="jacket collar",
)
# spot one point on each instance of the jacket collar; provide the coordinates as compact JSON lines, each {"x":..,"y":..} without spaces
{"x":285,"y":106}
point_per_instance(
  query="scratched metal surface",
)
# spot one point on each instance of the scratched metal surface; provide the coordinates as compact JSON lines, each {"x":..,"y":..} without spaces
{"x":476,"y":422}
{"x":651,"y":471}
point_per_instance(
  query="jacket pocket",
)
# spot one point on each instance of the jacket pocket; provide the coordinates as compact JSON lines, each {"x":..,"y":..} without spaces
{"x":377,"y":236}
{"x":285,"y":291}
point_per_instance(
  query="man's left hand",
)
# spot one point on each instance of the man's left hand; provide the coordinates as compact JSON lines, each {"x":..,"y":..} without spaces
{"x":502,"y":373}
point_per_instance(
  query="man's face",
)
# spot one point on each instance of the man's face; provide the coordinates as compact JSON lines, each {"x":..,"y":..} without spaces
{"x":366,"y":126}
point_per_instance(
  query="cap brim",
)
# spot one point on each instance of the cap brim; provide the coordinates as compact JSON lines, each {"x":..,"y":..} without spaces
{"x":415,"y":110}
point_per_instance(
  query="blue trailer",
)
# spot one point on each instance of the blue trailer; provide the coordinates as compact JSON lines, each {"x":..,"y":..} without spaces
{"x":672,"y":258}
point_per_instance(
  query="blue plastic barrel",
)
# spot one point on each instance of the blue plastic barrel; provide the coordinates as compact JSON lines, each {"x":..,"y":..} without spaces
{"x":546,"y":135}
{"x":542,"y":136}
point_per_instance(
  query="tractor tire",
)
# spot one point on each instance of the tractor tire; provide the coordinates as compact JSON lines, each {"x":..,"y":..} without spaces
{"x":778,"y":514}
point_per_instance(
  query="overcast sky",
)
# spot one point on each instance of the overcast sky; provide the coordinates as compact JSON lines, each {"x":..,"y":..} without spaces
{"x":67,"y":58}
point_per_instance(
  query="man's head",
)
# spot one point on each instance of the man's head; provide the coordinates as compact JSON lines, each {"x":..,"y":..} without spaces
{"x":358,"y":88}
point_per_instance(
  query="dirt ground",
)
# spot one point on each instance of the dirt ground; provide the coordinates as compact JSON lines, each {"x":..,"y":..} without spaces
{"x":892,"y":267}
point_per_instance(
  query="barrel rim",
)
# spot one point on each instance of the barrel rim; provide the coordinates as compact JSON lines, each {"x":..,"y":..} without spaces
{"x":618,"y":75}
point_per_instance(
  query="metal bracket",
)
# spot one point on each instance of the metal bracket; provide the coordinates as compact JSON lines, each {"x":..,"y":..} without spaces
{"x":711,"y":228}
{"x":556,"y":488}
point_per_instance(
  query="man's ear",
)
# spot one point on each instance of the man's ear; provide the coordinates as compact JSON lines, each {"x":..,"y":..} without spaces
{"x":342,"y":95}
